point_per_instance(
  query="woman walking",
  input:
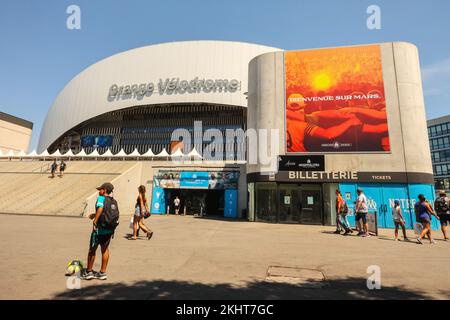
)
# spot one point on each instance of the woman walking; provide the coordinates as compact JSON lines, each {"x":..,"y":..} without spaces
{"x":399,"y":220}
{"x":423,"y":212}
{"x":140,"y":208}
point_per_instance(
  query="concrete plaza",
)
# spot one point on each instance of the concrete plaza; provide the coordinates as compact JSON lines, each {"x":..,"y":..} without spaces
{"x":197,"y":258}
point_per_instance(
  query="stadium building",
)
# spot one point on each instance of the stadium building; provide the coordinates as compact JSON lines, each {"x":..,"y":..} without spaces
{"x":346,"y":118}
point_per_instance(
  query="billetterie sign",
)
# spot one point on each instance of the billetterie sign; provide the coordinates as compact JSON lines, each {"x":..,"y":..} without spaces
{"x":173,"y":86}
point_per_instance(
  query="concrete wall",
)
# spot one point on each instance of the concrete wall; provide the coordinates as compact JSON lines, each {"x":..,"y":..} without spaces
{"x":125,"y":191}
{"x":329,"y":203}
{"x":405,"y":107}
{"x":14,"y":137}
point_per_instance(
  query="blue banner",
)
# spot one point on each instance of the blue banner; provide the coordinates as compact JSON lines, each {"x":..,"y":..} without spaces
{"x":381,"y":199}
{"x":194,"y":180}
{"x":231,"y":197}
{"x":158,"y":201}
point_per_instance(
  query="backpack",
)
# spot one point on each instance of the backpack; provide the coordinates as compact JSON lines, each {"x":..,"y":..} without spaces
{"x":110,"y":216}
{"x":344,"y":208}
{"x":441,"y":205}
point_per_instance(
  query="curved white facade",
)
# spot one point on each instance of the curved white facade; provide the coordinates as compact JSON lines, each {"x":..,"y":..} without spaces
{"x":150,"y":69}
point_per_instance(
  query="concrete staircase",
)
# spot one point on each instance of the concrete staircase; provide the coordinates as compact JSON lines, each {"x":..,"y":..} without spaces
{"x":26,"y":187}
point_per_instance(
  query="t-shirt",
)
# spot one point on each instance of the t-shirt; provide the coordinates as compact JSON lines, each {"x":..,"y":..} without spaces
{"x":339,"y":201}
{"x":396,"y":214}
{"x":100,"y":204}
{"x":441,"y":199}
{"x":176,"y":202}
{"x":363,"y":208}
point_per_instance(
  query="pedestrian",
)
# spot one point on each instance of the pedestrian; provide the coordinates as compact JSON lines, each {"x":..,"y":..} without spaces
{"x":399,"y":220}
{"x":53,"y":168}
{"x":423,"y":213}
{"x":176,"y":204}
{"x":361,"y":214}
{"x":442,"y":207}
{"x":62,"y":168}
{"x":105,"y":220}
{"x":341,"y":215}
{"x":140,"y":210}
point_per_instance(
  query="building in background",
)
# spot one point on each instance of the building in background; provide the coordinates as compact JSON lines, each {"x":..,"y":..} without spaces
{"x":15,"y":133}
{"x":439,"y":134}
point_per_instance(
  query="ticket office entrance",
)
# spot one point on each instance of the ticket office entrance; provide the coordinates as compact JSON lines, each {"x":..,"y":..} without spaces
{"x":289,"y":203}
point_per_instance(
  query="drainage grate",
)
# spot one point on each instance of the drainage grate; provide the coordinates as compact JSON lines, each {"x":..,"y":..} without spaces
{"x":303,"y":277}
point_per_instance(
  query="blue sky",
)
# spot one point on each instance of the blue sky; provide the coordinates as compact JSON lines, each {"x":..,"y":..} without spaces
{"x":39,"y":55}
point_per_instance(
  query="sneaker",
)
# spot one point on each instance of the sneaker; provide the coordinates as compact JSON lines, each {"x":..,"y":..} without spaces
{"x":360,"y":234}
{"x":87,"y":275}
{"x":100,"y":275}
{"x":419,"y":241}
{"x":406,"y":239}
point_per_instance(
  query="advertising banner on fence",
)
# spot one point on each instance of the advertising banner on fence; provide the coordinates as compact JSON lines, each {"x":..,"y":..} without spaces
{"x":335,"y":101}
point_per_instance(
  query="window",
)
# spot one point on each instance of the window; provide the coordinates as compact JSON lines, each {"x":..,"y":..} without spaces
{"x":433,"y":131}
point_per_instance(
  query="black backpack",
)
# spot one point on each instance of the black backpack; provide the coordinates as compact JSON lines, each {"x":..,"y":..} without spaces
{"x":441,"y":205}
{"x":110,"y":216}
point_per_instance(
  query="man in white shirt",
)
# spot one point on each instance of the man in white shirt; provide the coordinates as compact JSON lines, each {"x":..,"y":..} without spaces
{"x":361,"y":213}
{"x":176,"y":203}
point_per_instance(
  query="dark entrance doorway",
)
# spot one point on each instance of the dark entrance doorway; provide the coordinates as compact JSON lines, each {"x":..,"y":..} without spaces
{"x":196,"y":202}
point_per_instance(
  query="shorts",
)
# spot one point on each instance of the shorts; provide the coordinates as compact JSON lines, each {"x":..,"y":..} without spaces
{"x":361,"y":215}
{"x":398,"y":223}
{"x":424,"y":220}
{"x":177,"y":207}
{"x":137,"y":212}
{"x":444,"y":219}
{"x":99,"y":239}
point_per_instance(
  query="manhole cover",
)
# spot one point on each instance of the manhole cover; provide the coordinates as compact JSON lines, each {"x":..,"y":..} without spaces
{"x":298,"y":276}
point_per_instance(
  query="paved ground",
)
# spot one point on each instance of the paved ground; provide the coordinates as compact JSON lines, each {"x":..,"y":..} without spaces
{"x":193,"y":258}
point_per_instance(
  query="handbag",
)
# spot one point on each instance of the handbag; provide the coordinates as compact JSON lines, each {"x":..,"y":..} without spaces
{"x":418,"y":228}
{"x":131,"y":222}
{"x":146,"y":214}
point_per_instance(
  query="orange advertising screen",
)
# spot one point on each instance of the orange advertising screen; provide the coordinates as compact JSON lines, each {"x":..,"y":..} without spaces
{"x":335,"y":101}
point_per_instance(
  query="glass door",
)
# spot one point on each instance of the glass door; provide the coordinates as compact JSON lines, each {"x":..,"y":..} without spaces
{"x":266,"y":200}
{"x":311,"y":204}
{"x":289,"y":203}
